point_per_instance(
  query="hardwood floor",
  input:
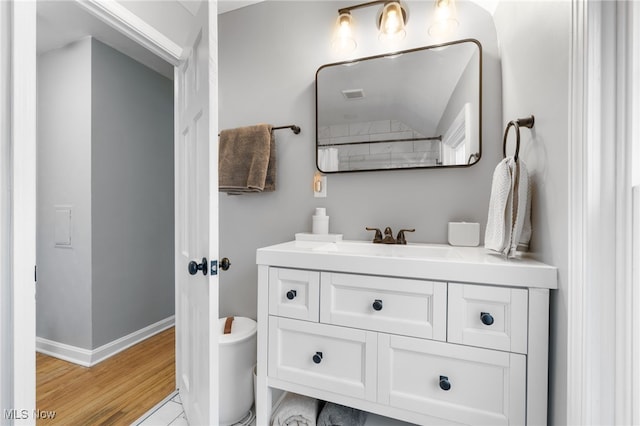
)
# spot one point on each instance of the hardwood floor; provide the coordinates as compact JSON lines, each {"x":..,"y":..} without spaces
{"x":115,"y":392}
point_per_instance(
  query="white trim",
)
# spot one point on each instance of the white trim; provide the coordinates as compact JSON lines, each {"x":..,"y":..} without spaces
{"x":635,"y":367}
{"x":624,"y":225}
{"x":538,"y":357}
{"x":459,"y":128}
{"x":5,"y":206}
{"x":599,"y":352}
{"x":64,"y":352}
{"x":579,"y":129}
{"x":634,"y":90}
{"x":23,"y":205}
{"x":89,"y":358}
{"x":577,"y":379}
{"x":129,"y":24}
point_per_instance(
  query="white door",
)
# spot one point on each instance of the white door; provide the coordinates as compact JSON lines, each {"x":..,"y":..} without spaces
{"x":197,"y":224}
{"x":18,"y":232}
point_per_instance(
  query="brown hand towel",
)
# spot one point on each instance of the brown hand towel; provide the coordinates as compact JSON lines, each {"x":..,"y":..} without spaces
{"x":247,"y":160}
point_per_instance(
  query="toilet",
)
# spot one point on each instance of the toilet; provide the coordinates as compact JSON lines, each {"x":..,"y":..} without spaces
{"x":237,"y":359}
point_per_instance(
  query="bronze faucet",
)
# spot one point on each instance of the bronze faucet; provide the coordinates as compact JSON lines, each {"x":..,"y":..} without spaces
{"x":400,"y":239}
{"x":378,"y":237}
{"x":388,"y":236}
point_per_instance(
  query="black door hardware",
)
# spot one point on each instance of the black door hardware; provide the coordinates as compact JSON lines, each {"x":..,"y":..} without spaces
{"x":194,"y":266}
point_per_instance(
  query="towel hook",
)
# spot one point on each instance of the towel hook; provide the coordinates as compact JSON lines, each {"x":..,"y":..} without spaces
{"x":516,"y":124}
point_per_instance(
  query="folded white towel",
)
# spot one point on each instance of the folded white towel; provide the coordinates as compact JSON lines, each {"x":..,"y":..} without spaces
{"x":328,"y":159}
{"x":509,"y":219}
{"x":296,"y":410}
{"x":522,"y":225}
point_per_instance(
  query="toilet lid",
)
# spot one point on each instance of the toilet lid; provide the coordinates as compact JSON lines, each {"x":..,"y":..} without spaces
{"x":242,"y":328}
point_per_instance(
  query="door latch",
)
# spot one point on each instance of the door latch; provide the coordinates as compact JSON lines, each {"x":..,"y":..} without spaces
{"x":214,"y":267}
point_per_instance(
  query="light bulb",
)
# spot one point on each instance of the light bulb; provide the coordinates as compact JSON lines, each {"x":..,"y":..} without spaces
{"x":442,"y":9}
{"x":343,"y":40}
{"x":444,"y":22}
{"x":392,"y":22}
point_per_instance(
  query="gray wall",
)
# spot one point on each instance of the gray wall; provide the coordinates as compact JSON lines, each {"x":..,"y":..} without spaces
{"x":535,"y":43}
{"x":132,"y":195}
{"x":105,"y":146}
{"x":63,"y":291}
{"x":268,"y":57}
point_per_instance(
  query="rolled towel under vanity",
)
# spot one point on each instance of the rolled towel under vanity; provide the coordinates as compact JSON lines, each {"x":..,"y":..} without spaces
{"x":339,"y":415}
{"x":296,"y":410}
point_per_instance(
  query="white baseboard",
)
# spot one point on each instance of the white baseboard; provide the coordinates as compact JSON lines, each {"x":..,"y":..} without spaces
{"x":63,"y":351}
{"x":89,"y":358}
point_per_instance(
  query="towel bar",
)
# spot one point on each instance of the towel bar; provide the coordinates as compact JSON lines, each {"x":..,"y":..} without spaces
{"x":295,"y":129}
{"x":524,"y":122}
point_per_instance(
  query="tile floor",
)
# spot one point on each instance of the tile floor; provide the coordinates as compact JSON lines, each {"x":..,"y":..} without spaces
{"x":168,"y":412}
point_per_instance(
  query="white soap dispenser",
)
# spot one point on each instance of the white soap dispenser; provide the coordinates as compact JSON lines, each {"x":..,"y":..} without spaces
{"x":320,"y":221}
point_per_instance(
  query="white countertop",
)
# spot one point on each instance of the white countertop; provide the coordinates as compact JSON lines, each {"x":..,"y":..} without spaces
{"x":424,"y":261}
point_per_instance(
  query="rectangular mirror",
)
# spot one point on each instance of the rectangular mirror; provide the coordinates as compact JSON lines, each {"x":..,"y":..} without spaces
{"x":413,"y":109}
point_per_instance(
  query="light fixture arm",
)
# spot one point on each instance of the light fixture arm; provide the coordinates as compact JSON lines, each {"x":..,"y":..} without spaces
{"x":359,"y":6}
{"x":391,"y":22}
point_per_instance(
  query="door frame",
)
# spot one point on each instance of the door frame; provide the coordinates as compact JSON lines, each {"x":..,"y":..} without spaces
{"x":18,"y":361}
{"x":602,"y":380}
{"x":22,"y":211}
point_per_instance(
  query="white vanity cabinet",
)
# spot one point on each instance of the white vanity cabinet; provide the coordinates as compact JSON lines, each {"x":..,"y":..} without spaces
{"x":410,"y":337}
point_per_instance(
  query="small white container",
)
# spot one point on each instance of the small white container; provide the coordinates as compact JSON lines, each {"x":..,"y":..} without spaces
{"x":237,"y":359}
{"x":320,"y":222}
{"x":464,"y":234}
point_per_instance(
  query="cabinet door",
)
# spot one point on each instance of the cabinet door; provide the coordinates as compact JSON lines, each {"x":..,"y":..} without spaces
{"x":294,"y":293}
{"x":489,"y":317}
{"x":336,"y":359}
{"x":456,"y":383}
{"x":392,"y":305}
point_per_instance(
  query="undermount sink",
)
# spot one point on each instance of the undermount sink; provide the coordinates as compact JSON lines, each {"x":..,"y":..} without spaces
{"x":421,"y":251}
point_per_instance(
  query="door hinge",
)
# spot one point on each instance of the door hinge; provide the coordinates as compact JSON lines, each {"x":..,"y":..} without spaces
{"x":35,"y":273}
{"x":214,"y":267}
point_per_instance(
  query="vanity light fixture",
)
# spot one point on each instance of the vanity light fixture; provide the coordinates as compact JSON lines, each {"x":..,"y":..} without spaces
{"x":391,"y":21}
{"x":445,"y":18}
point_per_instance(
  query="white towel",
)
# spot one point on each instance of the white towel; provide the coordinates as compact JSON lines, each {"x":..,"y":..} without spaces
{"x":328,"y":159}
{"x":509,"y":219}
{"x":296,"y":410}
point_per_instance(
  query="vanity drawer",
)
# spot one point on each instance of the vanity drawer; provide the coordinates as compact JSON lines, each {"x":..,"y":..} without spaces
{"x":391,"y":305}
{"x":490,"y":317}
{"x":485,"y":387}
{"x":335,"y":359}
{"x":294,"y":293}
